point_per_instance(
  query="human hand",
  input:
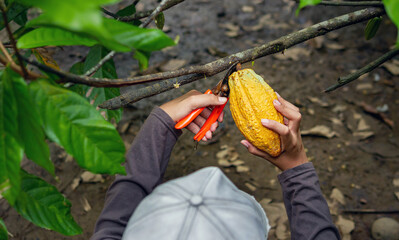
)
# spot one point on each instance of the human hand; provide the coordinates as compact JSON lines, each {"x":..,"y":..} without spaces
{"x":292,"y":150}
{"x":183,"y":105}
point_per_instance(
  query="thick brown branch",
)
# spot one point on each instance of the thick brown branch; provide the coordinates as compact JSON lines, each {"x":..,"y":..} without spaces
{"x":17,"y":68}
{"x":220,"y":65}
{"x":350,"y":3}
{"x":342,"y":81}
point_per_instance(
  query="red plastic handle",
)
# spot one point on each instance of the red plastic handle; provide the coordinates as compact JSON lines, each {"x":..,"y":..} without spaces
{"x":211,"y":119}
{"x":190,"y":117}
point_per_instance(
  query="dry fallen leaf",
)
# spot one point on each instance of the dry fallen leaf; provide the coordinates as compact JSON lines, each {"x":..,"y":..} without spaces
{"x":363,"y":135}
{"x":345,"y":226}
{"x":392,"y":67}
{"x":335,"y":46}
{"x":374,"y":112}
{"x":232,"y":30}
{"x":364,"y":86}
{"x":318,"y":101}
{"x":294,"y":54}
{"x":173,"y":64}
{"x":278,"y":218}
{"x":396,"y":185}
{"x":88,"y":177}
{"x":241,"y":169}
{"x":337,"y":195}
{"x":85,"y":204}
{"x":247,"y":9}
{"x":320,"y":131}
{"x":250,"y":186}
{"x":75,"y":183}
{"x":336,"y":121}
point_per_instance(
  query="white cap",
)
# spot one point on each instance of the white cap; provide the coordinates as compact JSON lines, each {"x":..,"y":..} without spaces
{"x":202,"y":205}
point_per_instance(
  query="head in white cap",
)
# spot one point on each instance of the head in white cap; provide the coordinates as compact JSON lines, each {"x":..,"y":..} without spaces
{"x":202,"y":205}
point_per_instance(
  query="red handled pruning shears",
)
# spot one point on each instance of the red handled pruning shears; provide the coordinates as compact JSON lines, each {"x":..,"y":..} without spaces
{"x":221,"y":89}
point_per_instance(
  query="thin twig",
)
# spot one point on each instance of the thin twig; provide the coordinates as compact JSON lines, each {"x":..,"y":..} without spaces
{"x":157,"y":10}
{"x":94,"y":69}
{"x":109,"y":13}
{"x":5,"y":52}
{"x":342,"y":81}
{"x":370,"y":211}
{"x":3,"y":9}
{"x":140,"y":15}
{"x":352,"y":3}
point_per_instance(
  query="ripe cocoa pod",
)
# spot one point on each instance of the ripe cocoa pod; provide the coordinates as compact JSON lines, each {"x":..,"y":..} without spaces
{"x":251,"y":99}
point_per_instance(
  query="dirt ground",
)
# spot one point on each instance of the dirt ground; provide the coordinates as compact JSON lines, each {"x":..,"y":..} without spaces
{"x":359,"y":160}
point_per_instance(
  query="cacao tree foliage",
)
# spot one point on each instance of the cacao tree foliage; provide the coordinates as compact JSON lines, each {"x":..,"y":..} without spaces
{"x":34,"y":113}
{"x":391,"y":7}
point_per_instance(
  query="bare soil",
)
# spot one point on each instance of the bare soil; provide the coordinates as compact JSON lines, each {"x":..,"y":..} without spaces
{"x":362,"y":169}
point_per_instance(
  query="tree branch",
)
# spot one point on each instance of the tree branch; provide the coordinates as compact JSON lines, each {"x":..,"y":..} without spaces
{"x":212,"y":68}
{"x":17,"y":68}
{"x":342,"y":81}
{"x":5,"y":52}
{"x":350,"y":3}
{"x":3,"y":9}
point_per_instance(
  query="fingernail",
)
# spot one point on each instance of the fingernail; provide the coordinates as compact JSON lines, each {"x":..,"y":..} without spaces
{"x":222,"y":99}
{"x":276,"y":102}
{"x":245,"y":144}
{"x":265,"y":121}
{"x":278,"y":95}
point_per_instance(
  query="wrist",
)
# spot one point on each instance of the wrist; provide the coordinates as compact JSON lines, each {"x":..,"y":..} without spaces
{"x":292,"y":162}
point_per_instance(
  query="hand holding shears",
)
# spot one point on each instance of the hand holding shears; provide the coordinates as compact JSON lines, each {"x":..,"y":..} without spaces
{"x":221,"y":90}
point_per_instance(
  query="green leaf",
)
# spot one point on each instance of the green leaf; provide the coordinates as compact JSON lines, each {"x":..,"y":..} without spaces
{"x":127,"y":11}
{"x":11,"y":149}
{"x":372,"y":27}
{"x":160,"y":21}
{"x":13,"y":13}
{"x":138,"y":38}
{"x":107,"y":70}
{"x":50,"y":36}
{"x":392,"y":9}
{"x":30,"y":125}
{"x":76,"y":16}
{"x":304,"y":3}
{"x":3,"y":230}
{"x":143,"y":57}
{"x":43,"y":205}
{"x":73,"y":123}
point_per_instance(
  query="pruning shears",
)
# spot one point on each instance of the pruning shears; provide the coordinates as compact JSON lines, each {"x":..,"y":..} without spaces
{"x":221,"y":89}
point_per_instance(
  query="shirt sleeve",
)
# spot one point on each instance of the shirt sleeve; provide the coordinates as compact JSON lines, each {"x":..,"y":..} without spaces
{"x":146,"y":163}
{"x":307,"y":210}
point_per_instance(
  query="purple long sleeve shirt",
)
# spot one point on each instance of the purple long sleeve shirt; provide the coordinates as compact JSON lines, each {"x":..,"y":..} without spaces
{"x":146,"y":163}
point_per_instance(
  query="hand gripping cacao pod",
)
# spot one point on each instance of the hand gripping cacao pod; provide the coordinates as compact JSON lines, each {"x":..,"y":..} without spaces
{"x":251,"y":99}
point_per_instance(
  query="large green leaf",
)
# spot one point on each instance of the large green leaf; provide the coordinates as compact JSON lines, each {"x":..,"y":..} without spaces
{"x":73,"y":123}
{"x":304,"y":3}
{"x":138,"y":38}
{"x":11,"y":149}
{"x":50,"y":36}
{"x":43,"y":205}
{"x":99,"y":95}
{"x":77,"y":16}
{"x":392,"y":8}
{"x":3,"y":230}
{"x":30,"y":125}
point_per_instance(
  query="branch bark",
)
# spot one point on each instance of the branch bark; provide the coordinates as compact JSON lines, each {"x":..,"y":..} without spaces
{"x":342,"y":81}
{"x":212,"y":68}
{"x":352,"y":3}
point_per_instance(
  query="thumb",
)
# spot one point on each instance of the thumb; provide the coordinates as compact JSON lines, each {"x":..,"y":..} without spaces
{"x":205,"y":100}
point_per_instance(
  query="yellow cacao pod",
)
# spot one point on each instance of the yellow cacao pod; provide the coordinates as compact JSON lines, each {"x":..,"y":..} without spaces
{"x":251,"y":99}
